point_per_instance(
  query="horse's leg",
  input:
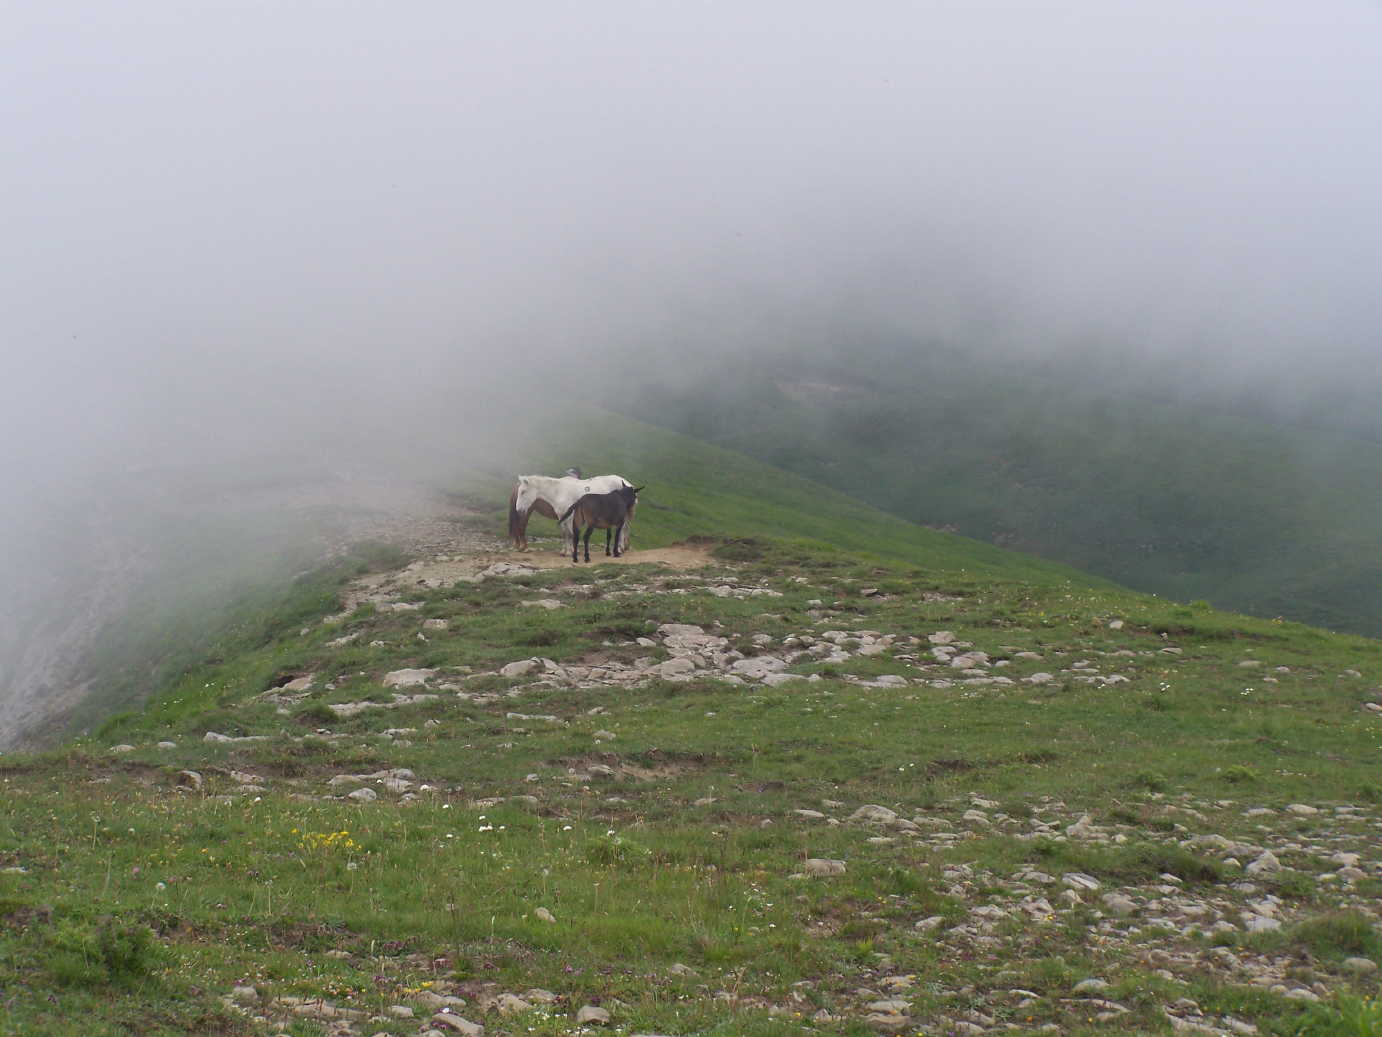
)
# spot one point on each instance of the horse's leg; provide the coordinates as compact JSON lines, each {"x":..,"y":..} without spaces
{"x":588,"y":530}
{"x":607,"y":528}
{"x":575,"y":540}
{"x":618,"y":532}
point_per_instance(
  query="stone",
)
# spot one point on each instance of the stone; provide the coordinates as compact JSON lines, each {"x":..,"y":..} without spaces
{"x":407,"y":678}
{"x":1081,"y":829}
{"x":511,"y":1004}
{"x":823,"y":867}
{"x":1302,"y":809}
{"x":592,"y":1014}
{"x":1080,"y":881}
{"x":674,"y":668}
{"x":930,"y":924}
{"x":166,"y":745}
{"x":455,"y":1024}
{"x":894,"y":1005}
{"x":1119,"y":904}
{"x":400,"y":1011}
{"x":757,"y":667}
{"x":1090,"y":986}
{"x":680,"y":630}
{"x":1262,"y":924}
{"x":1359,"y":966}
{"x":363,"y":795}
{"x":1267,"y":864}
{"x":874,"y":813}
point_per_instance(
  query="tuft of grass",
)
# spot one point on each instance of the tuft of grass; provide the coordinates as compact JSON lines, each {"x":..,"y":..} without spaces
{"x":1337,"y":935}
{"x":1346,"y":1015}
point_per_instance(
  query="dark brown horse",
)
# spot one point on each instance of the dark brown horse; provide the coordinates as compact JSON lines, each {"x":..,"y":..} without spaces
{"x":608,"y":511}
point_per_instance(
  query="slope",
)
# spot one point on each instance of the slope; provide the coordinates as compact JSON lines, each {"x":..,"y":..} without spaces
{"x":1190,"y":499}
{"x":910,"y":782}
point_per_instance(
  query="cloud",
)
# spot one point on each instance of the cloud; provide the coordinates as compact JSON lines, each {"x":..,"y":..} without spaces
{"x":239,"y":228}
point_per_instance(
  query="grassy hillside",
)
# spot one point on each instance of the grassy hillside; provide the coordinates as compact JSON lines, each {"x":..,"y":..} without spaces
{"x":522,"y":801}
{"x":1191,"y":500}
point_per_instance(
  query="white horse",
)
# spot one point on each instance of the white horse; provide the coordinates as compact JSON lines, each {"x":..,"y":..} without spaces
{"x":553,"y":497}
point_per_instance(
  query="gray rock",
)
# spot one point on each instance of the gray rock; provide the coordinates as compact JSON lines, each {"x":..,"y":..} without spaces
{"x":512,"y":1004}
{"x":1079,"y":881}
{"x":407,"y":678}
{"x":1090,"y":986}
{"x":1267,"y":864}
{"x":874,"y":813}
{"x":592,"y":1014}
{"x":455,"y":1024}
{"x":758,"y":666}
{"x":1119,"y":904}
{"x":363,"y":795}
{"x":674,"y":668}
{"x":1359,"y":966}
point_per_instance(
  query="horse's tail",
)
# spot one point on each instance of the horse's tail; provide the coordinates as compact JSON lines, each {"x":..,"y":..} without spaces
{"x":516,"y":519}
{"x":567,"y":513}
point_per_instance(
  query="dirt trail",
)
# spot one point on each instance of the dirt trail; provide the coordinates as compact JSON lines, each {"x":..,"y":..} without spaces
{"x":474,"y":561}
{"x":440,"y":533}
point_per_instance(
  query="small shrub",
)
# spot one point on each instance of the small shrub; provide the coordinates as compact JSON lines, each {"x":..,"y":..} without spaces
{"x":1296,"y":885}
{"x":1149,"y":780}
{"x":316,"y":714}
{"x":1239,"y":775}
{"x":109,"y":953}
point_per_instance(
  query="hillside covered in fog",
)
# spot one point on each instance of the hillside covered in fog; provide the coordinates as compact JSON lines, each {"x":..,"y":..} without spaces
{"x":1264,"y":505}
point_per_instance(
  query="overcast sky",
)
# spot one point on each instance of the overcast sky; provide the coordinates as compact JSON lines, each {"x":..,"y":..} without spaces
{"x":237,"y":215}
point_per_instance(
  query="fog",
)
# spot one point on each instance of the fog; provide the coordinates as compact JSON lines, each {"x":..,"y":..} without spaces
{"x":239,"y":231}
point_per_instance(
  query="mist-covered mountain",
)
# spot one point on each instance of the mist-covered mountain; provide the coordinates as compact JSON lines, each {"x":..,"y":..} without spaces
{"x":1140,"y":473}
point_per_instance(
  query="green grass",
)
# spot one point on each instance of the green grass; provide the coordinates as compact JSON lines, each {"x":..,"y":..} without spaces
{"x":133,"y":904}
